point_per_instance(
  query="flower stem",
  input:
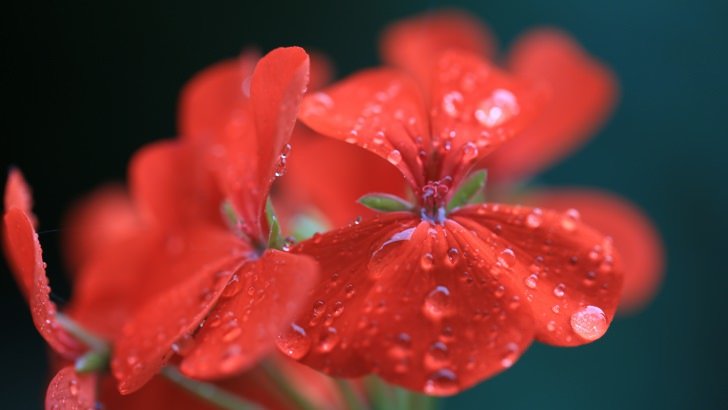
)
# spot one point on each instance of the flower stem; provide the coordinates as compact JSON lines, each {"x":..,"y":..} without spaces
{"x":352,"y":399}
{"x":286,"y":389}
{"x":207,"y":391}
{"x":89,"y":339}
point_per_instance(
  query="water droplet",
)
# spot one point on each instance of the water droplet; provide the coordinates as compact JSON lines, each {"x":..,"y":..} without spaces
{"x":426,"y":262}
{"x":531,"y":281}
{"x":589,"y":322}
{"x":560,"y":290}
{"x":556,"y":309}
{"x":328,"y":340}
{"x":183,"y":345}
{"x":534,"y":219}
{"x":338,"y":308}
{"x":442,"y":382}
{"x":453,"y":255}
{"x":437,"y":356}
{"x":318,"y":308}
{"x":349,"y":290}
{"x":551,"y":326}
{"x":450,"y":102}
{"x":73,"y":387}
{"x":294,"y":342}
{"x":570,"y":219}
{"x":319,"y":104}
{"x":507,"y":258}
{"x":394,"y":157}
{"x":510,"y":355}
{"x":286,"y":151}
{"x":470,"y":151}
{"x":437,"y":303}
{"x":499,"y":291}
{"x":233,"y":287}
{"x":499,"y":108}
{"x":232,"y":334}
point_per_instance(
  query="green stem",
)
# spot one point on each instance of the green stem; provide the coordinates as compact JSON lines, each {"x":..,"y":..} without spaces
{"x":286,"y":388}
{"x":352,"y":399}
{"x":89,"y":339}
{"x":379,"y":393}
{"x":403,"y":398}
{"x":207,"y":391}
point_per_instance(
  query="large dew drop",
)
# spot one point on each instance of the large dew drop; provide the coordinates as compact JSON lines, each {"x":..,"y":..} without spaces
{"x":294,"y":342}
{"x":589,"y":322}
{"x":437,"y":303}
{"x":442,"y":382}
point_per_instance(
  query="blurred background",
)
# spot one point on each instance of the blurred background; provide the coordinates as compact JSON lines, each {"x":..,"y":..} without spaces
{"x":87,"y":83}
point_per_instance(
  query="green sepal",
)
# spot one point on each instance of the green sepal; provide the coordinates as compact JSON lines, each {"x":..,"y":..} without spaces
{"x":470,"y":189}
{"x":385,"y":202}
{"x":93,"y":361}
{"x":275,"y":239}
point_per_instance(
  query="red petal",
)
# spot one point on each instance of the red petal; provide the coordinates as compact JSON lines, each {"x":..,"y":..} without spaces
{"x":416,"y":43}
{"x":105,"y":217}
{"x":25,"y":257}
{"x":398,"y":301}
{"x":171,"y":187}
{"x":380,"y":110}
{"x":259,"y":302}
{"x":17,"y":193}
{"x":252,"y":143}
{"x":475,"y":108}
{"x":212,"y":97}
{"x":333,"y":186}
{"x":71,"y":391}
{"x":147,"y":339}
{"x":582,"y":93}
{"x":565,"y":271}
{"x":634,"y":236}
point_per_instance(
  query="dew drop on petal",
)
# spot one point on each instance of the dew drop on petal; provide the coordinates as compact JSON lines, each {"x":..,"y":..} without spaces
{"x":394,"y":157}
{"x":232,"y":334}
{"x":589,"y":322}
{"x":534,"y":219}
{"x":233,"y":287}
{"x":450,"y":102}
{"x":294,"y":342}
{"x":442,"y":382}
{"x":437,"y":356}
{"x":570,"y":219}
{"x":559,"y":290}
{"x":73,"y":387}
{"x":437,"y":303}
{"x":453,"y":255}
{"x":531,"y":281}
{"x":510,"y":355}
{"x":470,"y":151}
{"x":328,"y":340}
{"x":507,"y":258}
{"x":183,"y":345}
{"x":426,"y":262}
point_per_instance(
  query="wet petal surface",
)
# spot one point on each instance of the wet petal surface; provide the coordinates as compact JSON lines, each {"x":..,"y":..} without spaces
{"x":71,"y":391}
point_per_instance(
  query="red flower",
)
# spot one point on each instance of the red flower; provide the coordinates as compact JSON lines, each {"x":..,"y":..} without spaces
{"x":437,"y":298}
{"x":214,"y":281}
{"x":581,"y":94}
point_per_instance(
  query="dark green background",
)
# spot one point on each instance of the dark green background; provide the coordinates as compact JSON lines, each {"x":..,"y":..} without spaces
{"x":85,"y":84}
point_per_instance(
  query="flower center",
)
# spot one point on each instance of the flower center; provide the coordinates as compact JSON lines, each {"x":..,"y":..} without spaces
{"x":433,"y":200}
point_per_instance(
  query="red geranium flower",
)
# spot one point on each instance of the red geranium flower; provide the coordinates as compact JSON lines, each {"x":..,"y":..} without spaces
{"x":581,"y":93}
{"x":442,"y":294}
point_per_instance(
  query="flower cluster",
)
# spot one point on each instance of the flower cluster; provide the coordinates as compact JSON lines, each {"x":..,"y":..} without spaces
{"x":401,"y":261}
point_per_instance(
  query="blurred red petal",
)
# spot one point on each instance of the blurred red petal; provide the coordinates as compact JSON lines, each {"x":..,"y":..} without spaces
{"x":261,"y":299}
{"x":17,"y":193}
{"x":171,"y":187}
{"x":635,"y":237}
{"x":380,"y":110}
{"x":322,"y":71}
{"x":415,"y":44}
{"x":25,"y":257}
{"x":211,"y":97}
{"x":71,"y":391}
{"x":582,"y":93}
{"x":105,"y":217}
{"x":333,"y":186}
{"x":426,"y":328}
{"x":146,"y":341}
{"x":475,"y":108}
{"x":568,"y":273}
